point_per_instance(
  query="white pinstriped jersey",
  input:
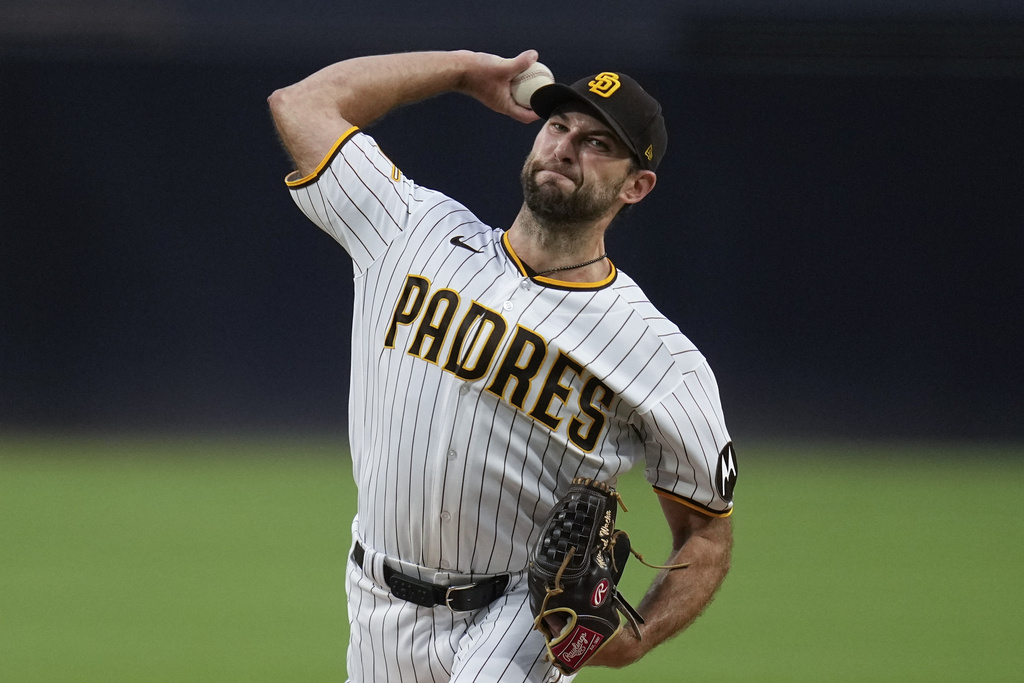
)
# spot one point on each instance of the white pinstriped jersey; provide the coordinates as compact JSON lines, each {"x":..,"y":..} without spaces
{"x":478,"y":393}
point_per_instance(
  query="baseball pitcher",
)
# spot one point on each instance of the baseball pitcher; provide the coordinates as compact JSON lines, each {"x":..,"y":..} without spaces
{"x":502,"y":379}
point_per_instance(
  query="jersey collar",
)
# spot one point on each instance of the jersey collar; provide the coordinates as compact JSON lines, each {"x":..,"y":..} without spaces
{"x":526,"y":271}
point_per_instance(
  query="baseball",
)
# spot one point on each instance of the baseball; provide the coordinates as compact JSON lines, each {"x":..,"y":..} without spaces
{"x":526,"y":83}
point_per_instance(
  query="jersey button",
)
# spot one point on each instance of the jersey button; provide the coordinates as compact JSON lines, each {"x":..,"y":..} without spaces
{"x":452,"y":455}
{"x":525,"y":284}
{"x":446,"y":516}
{"x":507,"y":305}
{"x":464,"y":389}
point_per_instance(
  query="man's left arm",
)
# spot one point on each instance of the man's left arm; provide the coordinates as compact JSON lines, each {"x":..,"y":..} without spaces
{"x":677,"y":596}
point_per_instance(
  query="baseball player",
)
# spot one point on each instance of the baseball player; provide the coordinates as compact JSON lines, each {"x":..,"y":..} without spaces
{"x":491,"y":367}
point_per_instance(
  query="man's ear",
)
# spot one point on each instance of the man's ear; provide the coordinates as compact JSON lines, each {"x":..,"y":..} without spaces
{"x":637,"y":186}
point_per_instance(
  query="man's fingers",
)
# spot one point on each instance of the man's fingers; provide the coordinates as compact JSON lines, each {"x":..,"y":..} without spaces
{"x":521,"y":63}
{"x":524,"y":59}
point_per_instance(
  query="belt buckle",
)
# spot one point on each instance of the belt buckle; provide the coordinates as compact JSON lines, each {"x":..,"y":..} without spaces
{"x":448,"y":595}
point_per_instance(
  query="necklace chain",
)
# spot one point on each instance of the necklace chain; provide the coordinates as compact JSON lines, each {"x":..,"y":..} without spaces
{"x":578,"y":265}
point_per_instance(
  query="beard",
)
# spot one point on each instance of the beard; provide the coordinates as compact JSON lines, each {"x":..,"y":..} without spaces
{"x":549,"y":204}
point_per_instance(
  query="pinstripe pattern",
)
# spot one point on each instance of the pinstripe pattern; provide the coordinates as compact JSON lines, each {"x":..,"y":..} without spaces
{"x":479,"y":393}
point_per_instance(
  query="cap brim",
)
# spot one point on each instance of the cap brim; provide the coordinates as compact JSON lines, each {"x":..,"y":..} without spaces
{"x":546,"y":99}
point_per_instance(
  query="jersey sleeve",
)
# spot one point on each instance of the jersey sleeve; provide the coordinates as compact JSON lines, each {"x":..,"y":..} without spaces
{"x":688,"y":451}
{"x":358,"y":197}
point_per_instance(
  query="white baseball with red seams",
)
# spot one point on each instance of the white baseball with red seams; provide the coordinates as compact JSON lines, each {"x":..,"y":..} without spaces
{"x":525,"y":84}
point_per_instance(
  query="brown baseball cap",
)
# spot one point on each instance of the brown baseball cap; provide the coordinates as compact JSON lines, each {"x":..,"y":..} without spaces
{"x":620,"y":102}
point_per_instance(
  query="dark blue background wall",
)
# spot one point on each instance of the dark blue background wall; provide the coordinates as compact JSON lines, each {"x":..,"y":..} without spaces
{"x":837,"y":224}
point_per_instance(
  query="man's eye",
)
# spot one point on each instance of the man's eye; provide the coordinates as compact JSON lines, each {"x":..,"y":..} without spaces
{"x":599,"y":144}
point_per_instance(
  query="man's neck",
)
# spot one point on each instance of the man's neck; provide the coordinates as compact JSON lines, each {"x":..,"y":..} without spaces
{"x":546,"y":247}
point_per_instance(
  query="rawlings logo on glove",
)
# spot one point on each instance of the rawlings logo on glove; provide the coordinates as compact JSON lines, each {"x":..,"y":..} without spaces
{"x":574,"y":573}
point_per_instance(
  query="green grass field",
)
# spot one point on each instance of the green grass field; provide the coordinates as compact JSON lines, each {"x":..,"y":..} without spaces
{"x":221,"y":560}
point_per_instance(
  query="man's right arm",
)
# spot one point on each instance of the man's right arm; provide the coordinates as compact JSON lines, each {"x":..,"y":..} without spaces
{"x":312,"y":114}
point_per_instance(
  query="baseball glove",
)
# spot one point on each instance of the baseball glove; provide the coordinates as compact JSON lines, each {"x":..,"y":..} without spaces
{"x":574,"y":574}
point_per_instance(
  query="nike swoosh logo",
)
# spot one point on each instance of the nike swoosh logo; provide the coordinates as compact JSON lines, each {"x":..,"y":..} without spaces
{"x":457,"y":241}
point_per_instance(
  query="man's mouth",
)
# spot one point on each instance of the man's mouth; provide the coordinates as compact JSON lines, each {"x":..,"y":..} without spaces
{"x":553,"y":175}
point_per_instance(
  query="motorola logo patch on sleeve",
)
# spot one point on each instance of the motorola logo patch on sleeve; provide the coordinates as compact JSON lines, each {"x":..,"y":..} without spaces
{"x":725,"y":476}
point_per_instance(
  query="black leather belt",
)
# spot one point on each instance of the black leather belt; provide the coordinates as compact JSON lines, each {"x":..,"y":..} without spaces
{"x":463,"y":598}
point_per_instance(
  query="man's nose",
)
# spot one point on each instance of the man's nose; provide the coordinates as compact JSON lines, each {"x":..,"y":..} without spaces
{"x":565,"y":149}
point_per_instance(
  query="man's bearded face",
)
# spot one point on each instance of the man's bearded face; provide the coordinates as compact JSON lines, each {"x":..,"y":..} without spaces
{"x":549,"y":202}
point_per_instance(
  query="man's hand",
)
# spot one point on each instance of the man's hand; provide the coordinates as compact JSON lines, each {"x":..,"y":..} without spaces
{"x":489,"y":79}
